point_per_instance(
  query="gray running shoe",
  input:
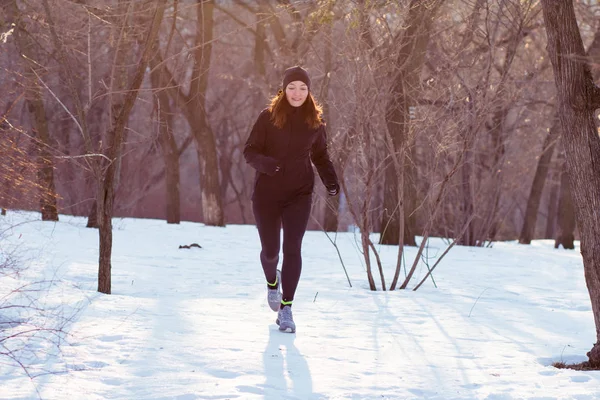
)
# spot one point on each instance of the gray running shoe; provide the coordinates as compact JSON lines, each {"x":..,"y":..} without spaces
{"x":274,"y":295}
{"x":285,"y":320}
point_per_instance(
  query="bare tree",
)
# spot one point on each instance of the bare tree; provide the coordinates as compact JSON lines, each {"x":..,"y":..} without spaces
{"x":399,"y":198}
{"x":106,"y":185}
{"x":212,"y":203}
{"x":33,"y":67}
{"x":194,"y":108}
{"x":399,"y":194}
{"x":537,"y":187}
{"x":168,"y":145}
{"x":522,"y":15}
{"x":332,"y":204}
{"x":539,"y":180}
{"x":565,"y":219}
{"x":578,"y":98}
{"x":552,"y":206}
{"x":106,"y":167}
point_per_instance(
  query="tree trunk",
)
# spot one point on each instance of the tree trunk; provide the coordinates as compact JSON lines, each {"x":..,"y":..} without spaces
{"x":193,"y":107}
{"x":578,"y":98}
{"x":167,"y":139}
{"x":92,"y":221}
{"x":412,"y":48}
{"x":171,"y":157}
{"x":466,"y":207}
{"x":566,"y":214}
{"x":409,"y":191}
{"x":206,"y":148}
{"x":537,"y":188}
{"x":552,"y":206}
{"x":539,"y":180}
{"x":106,"y":185}
{"x":45,"y":165}
{"x":365,"y":217}
{"x":332,"y":204}
{"x":260,"y":40}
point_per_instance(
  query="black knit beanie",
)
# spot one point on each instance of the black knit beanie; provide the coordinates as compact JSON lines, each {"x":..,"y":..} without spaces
{"x":295,"y":74}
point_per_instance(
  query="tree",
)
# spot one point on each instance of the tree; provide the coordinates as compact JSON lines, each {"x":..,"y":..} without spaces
{"x":332,"y":204}
{"x":113,"y":153}
{"x":168,"y":145}
{"x":194,"y":108}
{"x":399,"y":202}
{"x":212,"y":203}
{"x":578,"y":98}
{"x":106,"y":168}
{"x":541,"y":173}
{"x":566,"y":213}
{"x":33,"y":68}
{"x":539,"y":181}
{"x":498,"y":129}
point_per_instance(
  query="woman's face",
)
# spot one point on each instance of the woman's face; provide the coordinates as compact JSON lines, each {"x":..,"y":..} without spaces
{"x":296,"y":93}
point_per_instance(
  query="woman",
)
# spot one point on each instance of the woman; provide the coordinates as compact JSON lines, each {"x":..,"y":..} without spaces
{"x":285,"y":138}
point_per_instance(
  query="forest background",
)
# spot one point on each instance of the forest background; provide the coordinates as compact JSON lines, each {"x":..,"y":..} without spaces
{"x":441,"y":115}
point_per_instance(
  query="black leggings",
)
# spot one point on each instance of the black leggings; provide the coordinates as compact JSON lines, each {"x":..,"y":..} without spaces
{"x":270,"y":217}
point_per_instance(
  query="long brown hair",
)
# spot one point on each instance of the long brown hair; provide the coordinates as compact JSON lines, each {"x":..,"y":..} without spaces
{"x":280,"y":108}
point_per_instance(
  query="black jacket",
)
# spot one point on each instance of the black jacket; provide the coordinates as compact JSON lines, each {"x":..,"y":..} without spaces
{"x":282,"y":157}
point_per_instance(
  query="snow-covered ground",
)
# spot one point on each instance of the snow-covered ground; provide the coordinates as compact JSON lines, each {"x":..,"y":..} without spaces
{"x":194,"y":324}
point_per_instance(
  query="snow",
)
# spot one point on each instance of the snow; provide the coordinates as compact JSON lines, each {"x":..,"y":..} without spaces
{"x":194,"y":323}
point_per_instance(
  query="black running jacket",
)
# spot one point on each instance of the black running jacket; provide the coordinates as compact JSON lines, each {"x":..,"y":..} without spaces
{"x":282,"y":157}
